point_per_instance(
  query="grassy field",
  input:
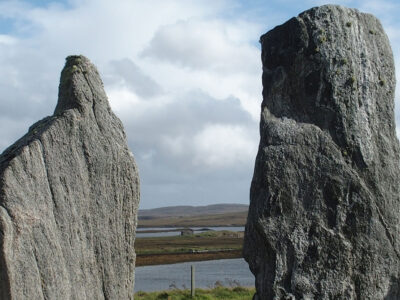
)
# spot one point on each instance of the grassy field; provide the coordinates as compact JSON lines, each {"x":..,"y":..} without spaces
{"x":204,"y":246}
{"x":173,"y":258}
{"x":227,"y":219}
{"x":220,"y":293}
{"x":209,"y":240}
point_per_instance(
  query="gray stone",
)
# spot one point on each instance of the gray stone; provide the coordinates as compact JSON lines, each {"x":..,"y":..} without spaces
{"x":324,"y":217}
{"x":69,"y":193}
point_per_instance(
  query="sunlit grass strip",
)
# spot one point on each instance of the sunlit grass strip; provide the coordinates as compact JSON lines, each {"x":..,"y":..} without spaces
{"x":172,"y":258}
{"x":193,"y":249}
{"x":220,"y":293}
{"x":212,"y":241}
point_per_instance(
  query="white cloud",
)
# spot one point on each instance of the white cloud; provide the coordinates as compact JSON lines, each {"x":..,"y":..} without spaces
{"x":398,"y":132}
{"x":13,"y":129}
{"x":123,"y":101}
{"x":205,"y":45}
{"x":184,"y":77}
{"x":380,"y":7}
{"x":13,"y":9}
{"x":216,"y":57}
{"x":125,"y":73}
{"x":175,"y":130}
{"x":221,"y":145}
{"x":7,"y":40}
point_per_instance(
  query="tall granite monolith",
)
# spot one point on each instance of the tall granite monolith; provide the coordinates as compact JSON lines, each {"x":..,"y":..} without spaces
{"x":324,"y":217}
{"x":69,"y":193}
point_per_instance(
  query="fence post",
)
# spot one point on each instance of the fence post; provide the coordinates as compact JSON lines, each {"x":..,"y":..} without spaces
{"x":192,"y":286}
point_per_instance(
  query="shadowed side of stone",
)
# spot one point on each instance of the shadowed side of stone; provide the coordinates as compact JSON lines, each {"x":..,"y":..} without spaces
{"x":324,"y":216}
{"x":69,"y":193}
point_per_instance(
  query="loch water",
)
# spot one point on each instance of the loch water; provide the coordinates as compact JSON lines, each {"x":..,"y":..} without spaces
{"x":176,"y":233}
{"x":208,"y":274}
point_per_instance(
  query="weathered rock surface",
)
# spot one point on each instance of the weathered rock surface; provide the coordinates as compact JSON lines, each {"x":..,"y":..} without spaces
{"x":69,"y":192}
{"x":324,"y":217}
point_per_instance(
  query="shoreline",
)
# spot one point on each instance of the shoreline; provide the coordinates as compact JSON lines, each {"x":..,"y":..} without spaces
{"x":189,"y":226}
{"x":172,"y":258}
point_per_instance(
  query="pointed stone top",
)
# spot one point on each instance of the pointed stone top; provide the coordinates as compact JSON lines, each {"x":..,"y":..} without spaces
{"x":80,"y":86}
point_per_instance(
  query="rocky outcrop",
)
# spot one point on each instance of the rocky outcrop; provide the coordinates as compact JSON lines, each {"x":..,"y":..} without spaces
{"x":324,"y":217}
{"x":69,"y":193}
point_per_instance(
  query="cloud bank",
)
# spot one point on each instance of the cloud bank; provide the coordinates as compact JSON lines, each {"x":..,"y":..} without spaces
{"x":184,"y":77}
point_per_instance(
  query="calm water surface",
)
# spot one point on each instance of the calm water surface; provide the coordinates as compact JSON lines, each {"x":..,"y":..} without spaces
{"x":175,"y":233}
{"x":228,"y":272}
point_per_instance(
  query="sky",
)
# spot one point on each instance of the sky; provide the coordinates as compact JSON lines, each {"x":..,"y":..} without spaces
{"x":184,"y":76}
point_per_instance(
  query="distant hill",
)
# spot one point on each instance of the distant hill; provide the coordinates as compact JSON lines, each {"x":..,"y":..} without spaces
{"x":187,"y":211}
{"x":196,"y":216}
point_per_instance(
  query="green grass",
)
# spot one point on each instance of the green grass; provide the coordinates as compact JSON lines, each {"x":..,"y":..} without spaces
{"x":227,"y":219}
{"x":209,"y":240}
{"x":220,"y":293}
{"x":216,"y":234}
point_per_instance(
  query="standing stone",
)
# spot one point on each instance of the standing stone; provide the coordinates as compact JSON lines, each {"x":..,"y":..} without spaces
{"x":324,"y":217}
{"x":69,"y":193}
